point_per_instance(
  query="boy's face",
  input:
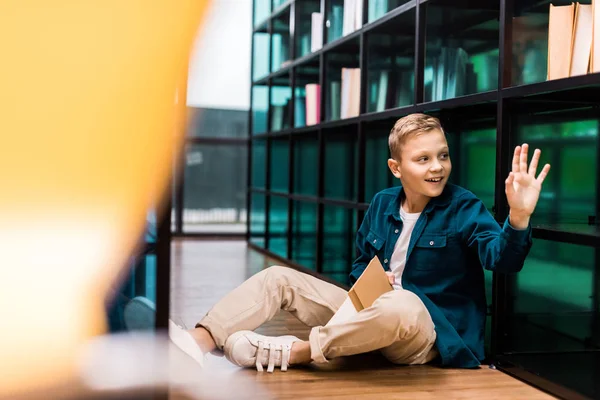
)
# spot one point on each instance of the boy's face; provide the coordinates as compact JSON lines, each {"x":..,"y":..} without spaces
{"x":424,"y":165}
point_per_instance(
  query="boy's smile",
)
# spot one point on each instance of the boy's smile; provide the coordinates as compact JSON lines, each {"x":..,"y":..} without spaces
{"x":423,"y":168}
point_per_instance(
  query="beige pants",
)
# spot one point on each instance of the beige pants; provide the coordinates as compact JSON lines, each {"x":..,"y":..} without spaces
{"x":397,"y":323}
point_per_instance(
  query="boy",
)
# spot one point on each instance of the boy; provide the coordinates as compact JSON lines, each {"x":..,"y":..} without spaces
{"x":433,"y":239}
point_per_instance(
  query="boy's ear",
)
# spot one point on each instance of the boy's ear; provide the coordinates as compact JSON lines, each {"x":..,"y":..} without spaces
{"x":395,"y":168}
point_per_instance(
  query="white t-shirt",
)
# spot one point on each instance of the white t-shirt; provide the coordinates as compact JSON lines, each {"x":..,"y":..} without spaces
{"x":398,"y":260}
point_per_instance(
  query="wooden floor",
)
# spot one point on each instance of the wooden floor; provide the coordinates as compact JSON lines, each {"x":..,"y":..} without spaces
{"x":205,"y":271}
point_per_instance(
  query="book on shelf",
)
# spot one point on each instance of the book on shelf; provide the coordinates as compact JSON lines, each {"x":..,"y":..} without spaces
{"x":582,"y":39}
{"x":353,"y":16}
{"x":350,"y":93}
{"x":316,"y":31}
{"x":300,"y":111}
{"x":371,"y":284}
{"x":336,"y":26}
{"x":335,"y":105}
{"x":313,"y":103}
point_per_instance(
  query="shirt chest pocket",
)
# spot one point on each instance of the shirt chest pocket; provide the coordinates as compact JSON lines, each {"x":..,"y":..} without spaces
{"x":376,"y":243}
{"x":435,"y":252}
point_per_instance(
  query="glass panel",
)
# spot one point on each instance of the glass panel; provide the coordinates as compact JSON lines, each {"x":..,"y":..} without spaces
{"x":215,"y":169}
{"x":278,"y":226}
{"x":339,"y":226}
{"x":133,"y":304}
{"x":215,"y":122}
{"x":304,"y":234}
{"x":553,"y":299}
{"x":568,"y":199}
{"x":280,"y":41}
{"x":260,"y":55}
{"x":461,"y":50}
{"x":341,"y":162}
{"x":281,"y":100}
{"x":304,"y":11}
{"x":307,"y":75}
{"x":262,"y":9}
{"x":377,"y":152}
{"x":342,"y":91}
{"x":378,"y":8}
{"x":260,"y":107}
{"x":306,"y":160}
{"x":473,"y":155}
{"x":259,"y":160}
{"x":280,"y":164}
{"x":257,"y":219}
{"x":391,"y":64}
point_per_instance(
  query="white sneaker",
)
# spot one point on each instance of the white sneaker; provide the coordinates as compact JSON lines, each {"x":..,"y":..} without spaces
{"x":246,"y":348}
{"x":182,"y":339}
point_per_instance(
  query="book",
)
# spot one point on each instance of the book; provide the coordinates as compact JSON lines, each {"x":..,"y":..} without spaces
{"x":560,"y":40}
{"x":372,"y":283}
{"x":368,"y":287}
{"x":582,"y":39}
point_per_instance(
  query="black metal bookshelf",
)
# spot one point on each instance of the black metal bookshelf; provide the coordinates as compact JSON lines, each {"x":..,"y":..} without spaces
{"x":501,"y":108}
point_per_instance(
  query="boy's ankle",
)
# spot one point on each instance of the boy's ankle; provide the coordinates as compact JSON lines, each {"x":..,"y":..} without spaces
{"x":300,"y":353}
{"x":204,"y":339}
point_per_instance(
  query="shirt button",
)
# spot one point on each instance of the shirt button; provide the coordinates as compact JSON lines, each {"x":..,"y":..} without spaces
{"x":431,"y":243}
{"x":385,"y":261}
{"x":375,"y":241}
{"x":396,"y":231}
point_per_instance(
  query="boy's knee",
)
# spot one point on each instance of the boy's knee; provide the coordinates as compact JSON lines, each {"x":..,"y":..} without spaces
{"x":401,"y":310}
{"x":278,"y":275}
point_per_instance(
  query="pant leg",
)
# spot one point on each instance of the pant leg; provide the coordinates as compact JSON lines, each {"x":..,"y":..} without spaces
{"x":397,"y":323}
{"x":312,"y":300}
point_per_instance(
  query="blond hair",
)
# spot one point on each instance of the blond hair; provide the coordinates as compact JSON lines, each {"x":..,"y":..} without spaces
{"x":410,"y":125}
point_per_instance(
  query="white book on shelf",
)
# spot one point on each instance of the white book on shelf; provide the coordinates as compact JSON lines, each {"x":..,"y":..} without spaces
{"x":358,"y":14}
{"x":316,"y":31}
{"x":345,"y":95}
{"x":349,"y":15}
{"x":355,"y":93}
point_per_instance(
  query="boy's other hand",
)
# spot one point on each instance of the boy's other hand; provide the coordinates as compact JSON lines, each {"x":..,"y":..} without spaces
{"x":391,"y":277}
{"x":522,"y":187}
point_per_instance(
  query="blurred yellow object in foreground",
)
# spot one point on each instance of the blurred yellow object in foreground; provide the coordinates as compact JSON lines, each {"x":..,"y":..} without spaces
{"x":92,"y":102}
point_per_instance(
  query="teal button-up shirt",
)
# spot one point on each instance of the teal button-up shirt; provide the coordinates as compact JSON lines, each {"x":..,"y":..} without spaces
{"x":454,"y":237}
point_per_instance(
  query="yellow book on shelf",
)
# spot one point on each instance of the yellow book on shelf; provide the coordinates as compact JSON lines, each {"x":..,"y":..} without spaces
{"x":560,"y":40}
{"x":582,"y":39}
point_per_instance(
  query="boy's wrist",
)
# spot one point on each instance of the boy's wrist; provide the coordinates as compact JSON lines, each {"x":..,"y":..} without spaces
{"x":518,"y":221}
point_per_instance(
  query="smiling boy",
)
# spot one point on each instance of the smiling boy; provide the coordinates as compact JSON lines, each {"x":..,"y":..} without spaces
{"x":433,"y":239}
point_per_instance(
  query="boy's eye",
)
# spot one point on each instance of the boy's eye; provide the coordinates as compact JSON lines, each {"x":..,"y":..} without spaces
{"x":444,"y":156}
{"x":423,"y":159}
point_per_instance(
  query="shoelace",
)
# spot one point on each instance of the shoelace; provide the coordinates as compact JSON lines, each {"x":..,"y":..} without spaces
{"x":272,"y":350}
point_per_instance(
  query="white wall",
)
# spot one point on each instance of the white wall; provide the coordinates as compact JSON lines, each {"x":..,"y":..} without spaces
{"x":219,"y":73}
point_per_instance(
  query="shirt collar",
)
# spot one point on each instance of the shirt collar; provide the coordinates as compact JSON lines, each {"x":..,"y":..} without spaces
{"x":393,"y":208}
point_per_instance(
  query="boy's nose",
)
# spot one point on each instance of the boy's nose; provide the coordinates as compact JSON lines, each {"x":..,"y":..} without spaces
{"x":436,"y":166}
